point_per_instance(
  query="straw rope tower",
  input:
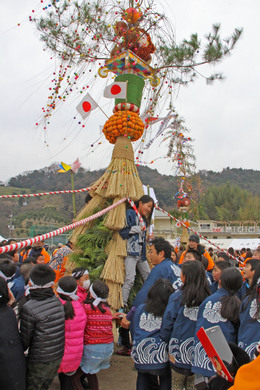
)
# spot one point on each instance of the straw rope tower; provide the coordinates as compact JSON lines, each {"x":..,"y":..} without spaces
{"x":121,"y":178}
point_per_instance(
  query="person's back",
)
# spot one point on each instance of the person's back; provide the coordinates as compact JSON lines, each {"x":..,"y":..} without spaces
{"x":98,"y":335}
{"x":149,"y":351}
{"x":42,"y":329}
{"x":221,"y":308}
{"x":179,"y":322}
{"x":75,"y":321}
{"x":58,"y":260}
{"x":13,"y":366}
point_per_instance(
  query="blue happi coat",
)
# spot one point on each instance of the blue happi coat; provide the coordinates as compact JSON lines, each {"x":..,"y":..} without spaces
{"x":178,"y":328}
{"x":243,"y":290}
{"x":208,"y":316}
{"x":149,"y":352}
{"x":249,"y":328}
{"x":136,"y":238}
{"x":166,"y":270}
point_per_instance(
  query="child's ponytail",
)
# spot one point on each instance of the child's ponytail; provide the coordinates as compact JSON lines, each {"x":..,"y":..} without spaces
{"x":67,"y":288}
{"x":68,"y":308}
{"x":231,"y":280}
{"x":97,"y":296}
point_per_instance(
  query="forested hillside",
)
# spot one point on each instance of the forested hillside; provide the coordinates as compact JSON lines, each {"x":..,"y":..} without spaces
{"x":233,"y":194}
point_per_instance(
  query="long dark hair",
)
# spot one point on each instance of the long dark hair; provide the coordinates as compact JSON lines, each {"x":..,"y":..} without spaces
{"x":195,"y":288}
{"x":158,"y":296}
{"x":101,"y":290}
{"x":4,"y":294}
{"x":67,"y":284}
{"x":231,"y":280}
{"x":146,"y":199}
{"x":254,"y":292}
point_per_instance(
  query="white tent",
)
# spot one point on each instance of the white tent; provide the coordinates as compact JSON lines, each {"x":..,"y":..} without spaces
{"x":222,"y":243}
{"x":239,"y":243}
{"x":1,"y":238}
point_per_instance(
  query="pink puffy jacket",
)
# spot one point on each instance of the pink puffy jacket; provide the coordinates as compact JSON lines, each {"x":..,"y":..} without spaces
{"x":74,"y":335}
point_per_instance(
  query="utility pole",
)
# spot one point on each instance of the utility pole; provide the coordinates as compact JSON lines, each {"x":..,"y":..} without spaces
{"x":10,"y":225}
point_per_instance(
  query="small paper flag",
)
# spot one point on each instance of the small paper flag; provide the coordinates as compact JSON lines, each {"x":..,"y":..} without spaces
{"x":116,"y":90}
{"x":64,"y":167}
{"x":86,"y":105}
{"x":75,"y":166}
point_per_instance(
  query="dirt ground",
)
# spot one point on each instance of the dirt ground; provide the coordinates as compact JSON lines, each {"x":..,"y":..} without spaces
{"x":120,"y":375}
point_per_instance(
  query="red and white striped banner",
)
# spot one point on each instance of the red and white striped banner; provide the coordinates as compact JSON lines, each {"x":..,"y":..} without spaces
{"x":31,"y":241}
{"x":47,"y":193}
{"x":180,"y":223}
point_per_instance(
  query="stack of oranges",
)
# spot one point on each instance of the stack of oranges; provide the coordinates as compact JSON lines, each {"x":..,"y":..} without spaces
{"x":127,"y":123}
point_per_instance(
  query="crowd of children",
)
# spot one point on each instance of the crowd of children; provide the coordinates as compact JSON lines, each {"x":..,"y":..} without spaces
{"x":66,"y":330}
{"x":53,"y":324}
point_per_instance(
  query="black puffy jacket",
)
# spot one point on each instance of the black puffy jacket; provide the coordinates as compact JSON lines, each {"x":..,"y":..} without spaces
{"x":42,"y":329}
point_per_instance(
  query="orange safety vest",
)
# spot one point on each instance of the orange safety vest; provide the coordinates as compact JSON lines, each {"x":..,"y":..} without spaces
{"x":46,"y":255}
{"x":206,"y":254}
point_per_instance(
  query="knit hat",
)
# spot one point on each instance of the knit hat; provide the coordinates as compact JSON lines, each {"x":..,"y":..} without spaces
{"x":194,"y":238}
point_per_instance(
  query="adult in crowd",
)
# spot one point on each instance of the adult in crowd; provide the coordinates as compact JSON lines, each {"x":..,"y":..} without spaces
{"x":13,"y":367}
{"x":194,"y":243}
{"x":59,"y":260}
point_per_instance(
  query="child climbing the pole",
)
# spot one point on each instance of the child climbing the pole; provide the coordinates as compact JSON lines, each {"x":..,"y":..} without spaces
{"x":98,"y":336}
{"x":136,"y":244}
{"x":136,"y":257}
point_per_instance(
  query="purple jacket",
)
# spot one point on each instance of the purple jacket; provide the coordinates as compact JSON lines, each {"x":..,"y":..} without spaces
{"x":74,"y":337}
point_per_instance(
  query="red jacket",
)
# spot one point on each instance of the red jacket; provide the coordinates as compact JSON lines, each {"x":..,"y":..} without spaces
{"x":98,"y":329}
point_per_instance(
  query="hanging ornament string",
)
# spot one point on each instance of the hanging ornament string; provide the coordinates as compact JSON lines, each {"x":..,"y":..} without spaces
{"x":31,"y":241}
{"x":193,"y":231}
{"x":142,"y":224}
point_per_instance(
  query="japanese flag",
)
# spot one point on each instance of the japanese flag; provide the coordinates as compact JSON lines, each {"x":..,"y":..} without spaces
{"x":116,"y":90}
{"x":86,"y":105}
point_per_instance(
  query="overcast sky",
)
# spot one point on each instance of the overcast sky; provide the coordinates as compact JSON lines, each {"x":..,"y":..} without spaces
{"x":223,"y":118}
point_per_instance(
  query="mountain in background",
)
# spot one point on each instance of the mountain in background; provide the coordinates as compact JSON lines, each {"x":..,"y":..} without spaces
{"x":233,"y":194}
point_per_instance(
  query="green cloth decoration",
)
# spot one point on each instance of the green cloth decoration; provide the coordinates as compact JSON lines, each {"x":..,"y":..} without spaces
{"x":135,"y":88}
